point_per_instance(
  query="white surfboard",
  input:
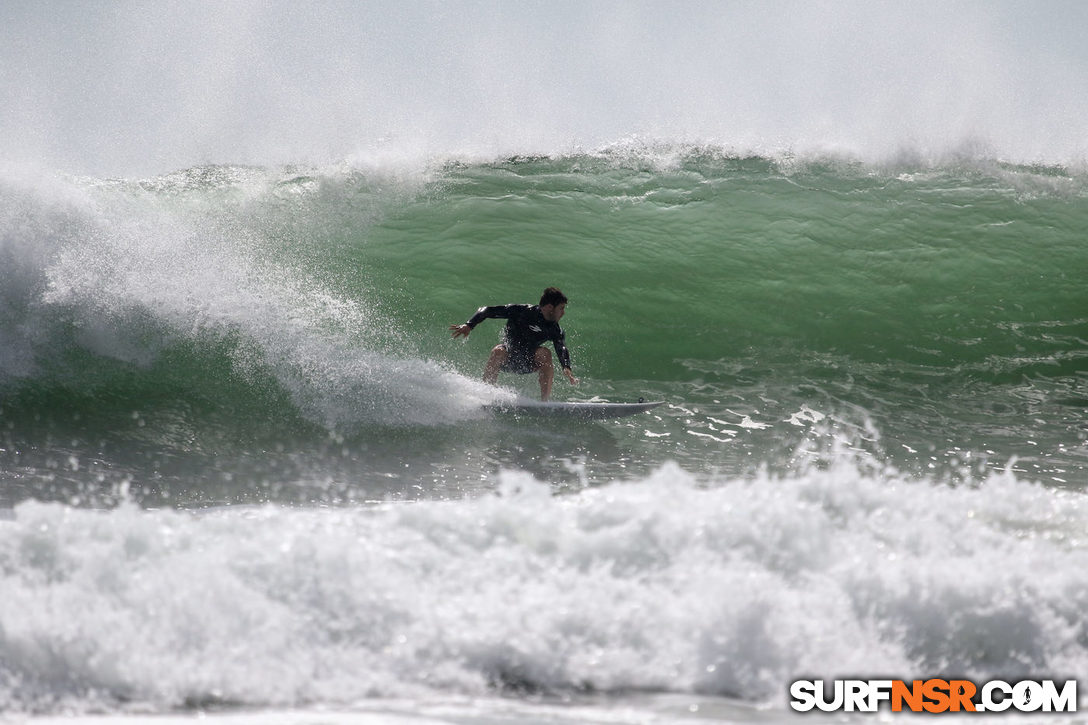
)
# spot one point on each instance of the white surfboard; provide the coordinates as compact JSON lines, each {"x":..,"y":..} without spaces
{"x":572,"y":409}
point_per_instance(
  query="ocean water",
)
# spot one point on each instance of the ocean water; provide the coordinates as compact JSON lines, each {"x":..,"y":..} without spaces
{"x":246,"y":475}
{"x":244,"y":467}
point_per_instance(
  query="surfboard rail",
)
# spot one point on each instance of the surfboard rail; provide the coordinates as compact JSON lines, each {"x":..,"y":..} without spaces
{"x":588,"y":410}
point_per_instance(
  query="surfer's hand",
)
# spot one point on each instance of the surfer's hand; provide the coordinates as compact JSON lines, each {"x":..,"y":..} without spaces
{"x":460,"y":330}
{"x":570,"y":376}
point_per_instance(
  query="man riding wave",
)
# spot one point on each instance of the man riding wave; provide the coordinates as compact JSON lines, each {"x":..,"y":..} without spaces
{"x":528,"y":327}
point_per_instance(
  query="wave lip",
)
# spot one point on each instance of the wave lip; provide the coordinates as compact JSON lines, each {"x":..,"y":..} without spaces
{"x":193,"y":267}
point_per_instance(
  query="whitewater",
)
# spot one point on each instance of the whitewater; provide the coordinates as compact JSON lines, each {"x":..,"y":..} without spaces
{"x":247,"y":476}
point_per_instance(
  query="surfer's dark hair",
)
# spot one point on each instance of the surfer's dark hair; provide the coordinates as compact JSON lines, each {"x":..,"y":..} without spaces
{"x":553,"y":296}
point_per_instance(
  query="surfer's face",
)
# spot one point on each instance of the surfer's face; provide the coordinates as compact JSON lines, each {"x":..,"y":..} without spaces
{"x":553,"y":313}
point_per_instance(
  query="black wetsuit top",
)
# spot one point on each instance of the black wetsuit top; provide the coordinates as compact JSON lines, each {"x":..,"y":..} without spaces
{"x":526,"y":330}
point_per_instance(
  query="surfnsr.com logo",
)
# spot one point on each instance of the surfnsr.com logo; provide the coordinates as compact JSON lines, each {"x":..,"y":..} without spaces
{"x":934,"y":696}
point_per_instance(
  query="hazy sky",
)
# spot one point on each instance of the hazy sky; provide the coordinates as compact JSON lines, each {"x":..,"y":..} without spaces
{"x":138,"y":87}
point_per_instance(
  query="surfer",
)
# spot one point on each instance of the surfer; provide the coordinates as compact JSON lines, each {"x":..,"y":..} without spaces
{"x":528,"y":327}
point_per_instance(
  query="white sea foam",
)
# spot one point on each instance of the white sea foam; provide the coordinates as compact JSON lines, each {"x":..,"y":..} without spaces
{"x":732,"y":587}
{"x":123,"y":274}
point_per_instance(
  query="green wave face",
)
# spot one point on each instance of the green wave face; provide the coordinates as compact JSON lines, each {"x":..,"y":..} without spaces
{"x":292,"y":324}
{"x":716,"y":257}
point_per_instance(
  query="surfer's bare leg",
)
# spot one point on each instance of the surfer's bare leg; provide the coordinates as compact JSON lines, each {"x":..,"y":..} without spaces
{"x":542,"y":362}
{"x":494,"y":363}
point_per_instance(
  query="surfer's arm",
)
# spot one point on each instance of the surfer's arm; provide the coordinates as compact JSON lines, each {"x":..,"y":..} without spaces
{"x":463,"y":330}
{"x":559,"y":342}
{"x":485,"y":313}
{"x":501,"y":311}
